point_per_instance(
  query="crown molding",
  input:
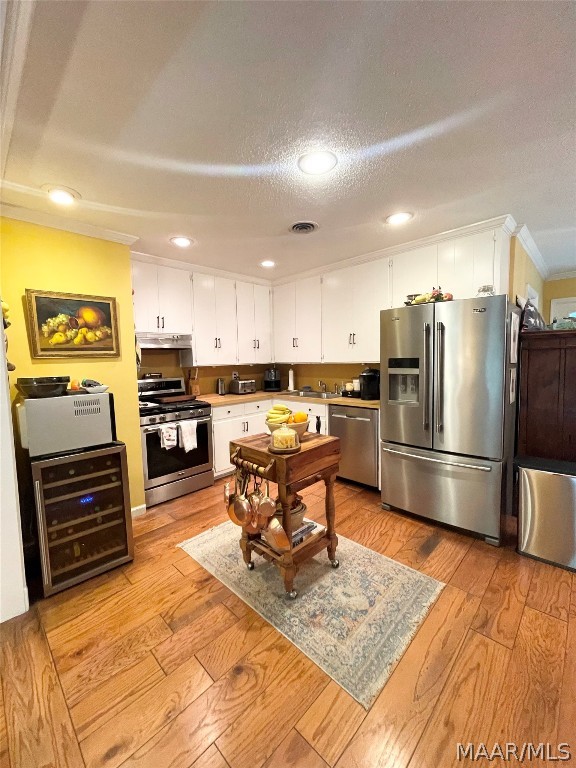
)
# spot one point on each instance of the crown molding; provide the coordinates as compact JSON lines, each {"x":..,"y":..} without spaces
{"x":63,"y":223}
{"x":17,"y":21}
{"x":505,"y":222}
{"x":186,"y":266}
{"x":561,"y":276}
{"x":525,"y":239}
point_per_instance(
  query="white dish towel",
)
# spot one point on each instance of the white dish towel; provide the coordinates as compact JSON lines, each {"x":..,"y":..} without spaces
{"x":168,"y":436}
{"x":188,"y":436}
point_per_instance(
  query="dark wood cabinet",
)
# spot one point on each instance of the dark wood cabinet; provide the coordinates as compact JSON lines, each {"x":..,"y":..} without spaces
{"x":547,"y":407}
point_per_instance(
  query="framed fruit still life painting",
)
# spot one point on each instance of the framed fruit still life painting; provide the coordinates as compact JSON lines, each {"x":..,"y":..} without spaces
{"x":72,"y":325}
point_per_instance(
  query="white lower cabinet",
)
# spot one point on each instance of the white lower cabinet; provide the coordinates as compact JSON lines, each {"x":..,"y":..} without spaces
{"x":231,"y":422}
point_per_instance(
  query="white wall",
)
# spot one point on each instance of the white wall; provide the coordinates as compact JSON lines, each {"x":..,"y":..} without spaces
{"x":13,"y":591}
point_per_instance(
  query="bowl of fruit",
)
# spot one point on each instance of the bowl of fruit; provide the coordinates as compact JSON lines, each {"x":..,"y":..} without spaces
{"x":280,"y":415}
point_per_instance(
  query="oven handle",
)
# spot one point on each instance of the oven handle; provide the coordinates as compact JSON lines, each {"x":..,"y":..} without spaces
{"x":147,"y":430}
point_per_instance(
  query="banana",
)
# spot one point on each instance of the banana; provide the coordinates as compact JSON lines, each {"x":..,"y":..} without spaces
{"x":279,"y":419}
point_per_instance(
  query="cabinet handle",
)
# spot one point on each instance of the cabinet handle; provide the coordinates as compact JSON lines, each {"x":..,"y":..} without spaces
{"x":254,"y":343}
{"x":257,"y":343}
{"x":215,"y":343}
{"x":353,"y":338}
{"x":350,"y":339}
{"x":219,"y":343}
{"x":157,"y":321}
{"x":293,"y":341}
{"x":46,"y":577}
{"x":296,"y":340}
{"x":162,"y":321}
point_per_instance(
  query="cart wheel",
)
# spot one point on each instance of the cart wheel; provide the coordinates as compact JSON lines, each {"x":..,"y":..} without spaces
{"x":335,"y":563}
{"x":250,"y":566}
{"x":292,"y":595}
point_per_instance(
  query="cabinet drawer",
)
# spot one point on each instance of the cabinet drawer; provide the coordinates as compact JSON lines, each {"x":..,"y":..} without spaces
{"x":228,"y":411}
{"x":261,"y":406}
{"x":312,"y":409}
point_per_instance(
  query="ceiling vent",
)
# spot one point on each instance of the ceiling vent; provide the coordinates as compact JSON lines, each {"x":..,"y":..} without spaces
{"x":303,"y":227}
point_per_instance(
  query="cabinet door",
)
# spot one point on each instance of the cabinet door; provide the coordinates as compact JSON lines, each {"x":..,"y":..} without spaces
{"x":145,"y":286}
{"x":337,"y":316}
{"x":466,"y":263}
{"x":226,"y":321}
{"x":245,"y":308}
{"x":414,"y":272}
{"x":205,"y":333}
{"x":284,"y":323}
{"x":262,"y":324}
{"x":371,"y":295}
{"x":308,"y":320}
{"x":257,"y":423}
{"x":174,"y":300}
{"x":223,"y":432}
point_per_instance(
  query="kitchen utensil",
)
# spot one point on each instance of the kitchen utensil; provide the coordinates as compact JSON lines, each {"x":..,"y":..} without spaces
{"x":242,"y":508}
{"x":195,"y":387}
{"x":43,"y":386}
{"x":275,"y":535}
{"x":229,"y":504}
{"x":220,"y":386}
{"x":267,"y":504}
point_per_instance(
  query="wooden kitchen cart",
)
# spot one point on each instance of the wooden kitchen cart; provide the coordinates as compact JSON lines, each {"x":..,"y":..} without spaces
{"x":317,"y":460}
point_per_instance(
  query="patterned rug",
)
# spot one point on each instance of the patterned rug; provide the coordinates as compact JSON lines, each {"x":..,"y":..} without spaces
{"x":354,"y":622}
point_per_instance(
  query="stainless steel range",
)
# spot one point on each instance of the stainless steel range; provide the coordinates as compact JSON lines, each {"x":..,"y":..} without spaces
{"x":177,"y":455}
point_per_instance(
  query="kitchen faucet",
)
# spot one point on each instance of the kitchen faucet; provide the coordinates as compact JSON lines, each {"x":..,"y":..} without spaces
{"x":322,"y":385}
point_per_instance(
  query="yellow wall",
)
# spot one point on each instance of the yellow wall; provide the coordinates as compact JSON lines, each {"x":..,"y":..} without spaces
{"x":557,"y":289}
{"x":49,"y":259}
{"x":522,"y":271}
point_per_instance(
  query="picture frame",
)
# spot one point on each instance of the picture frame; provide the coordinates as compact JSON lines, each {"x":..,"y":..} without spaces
{"x":57,"y":320}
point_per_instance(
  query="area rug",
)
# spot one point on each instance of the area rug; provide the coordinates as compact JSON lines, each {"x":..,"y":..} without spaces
{"x":354,"y":622}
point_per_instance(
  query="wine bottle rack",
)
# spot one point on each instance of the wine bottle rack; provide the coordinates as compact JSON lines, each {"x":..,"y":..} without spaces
{"x":83,"y":512}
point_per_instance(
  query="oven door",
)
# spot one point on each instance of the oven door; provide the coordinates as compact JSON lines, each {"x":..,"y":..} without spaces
{"x":162,"y":465}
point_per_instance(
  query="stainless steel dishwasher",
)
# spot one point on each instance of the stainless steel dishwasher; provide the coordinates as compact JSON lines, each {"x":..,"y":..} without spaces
{"x":357,"y":429}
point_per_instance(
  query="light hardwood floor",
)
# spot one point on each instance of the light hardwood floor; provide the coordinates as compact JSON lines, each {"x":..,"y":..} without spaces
{"x":158,"y":665}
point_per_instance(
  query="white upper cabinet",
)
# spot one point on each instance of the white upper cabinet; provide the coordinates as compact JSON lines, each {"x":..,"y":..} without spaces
{"x":215,"y":328}
{"x":466,"y":263}
{"x":298,"y":321}
{"x":254,"y":323}
{"x":162,"y":298}
{"x":414,"y":271}
{"x":352,"y":299}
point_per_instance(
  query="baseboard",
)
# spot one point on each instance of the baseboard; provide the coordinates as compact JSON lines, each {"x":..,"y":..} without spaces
{"x":137,"y":511}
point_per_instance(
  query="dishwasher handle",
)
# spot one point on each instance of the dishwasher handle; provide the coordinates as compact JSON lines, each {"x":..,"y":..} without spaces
{"x":355,"y":418}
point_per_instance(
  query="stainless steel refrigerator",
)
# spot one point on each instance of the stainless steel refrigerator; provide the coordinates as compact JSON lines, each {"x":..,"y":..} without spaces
{"x":448,"y":389}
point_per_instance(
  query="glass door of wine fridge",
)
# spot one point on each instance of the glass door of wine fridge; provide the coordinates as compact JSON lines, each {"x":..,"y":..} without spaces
{"x":84,"y":519}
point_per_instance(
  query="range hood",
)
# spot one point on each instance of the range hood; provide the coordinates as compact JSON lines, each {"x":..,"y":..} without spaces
{"x":164,"y":340}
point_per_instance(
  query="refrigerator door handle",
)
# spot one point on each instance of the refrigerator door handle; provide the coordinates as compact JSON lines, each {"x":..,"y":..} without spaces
{"x":426,"y":413}
{"x":439,"y":388}
{"x":438,"y":461}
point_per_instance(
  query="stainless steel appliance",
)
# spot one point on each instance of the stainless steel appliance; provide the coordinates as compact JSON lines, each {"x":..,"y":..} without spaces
{"x":164,"y":340}
{"x":447,"y":411}
{"x":272,"y":380}
{"x":547,"y":510}
{"x":357,"y":429}
{"x":53,"y":425}
{"x":370,"y":384}
{"x":242,"y":386}
{"x":220,"y":386}
{"x":83,"y":513}
{"x":173,"y":472}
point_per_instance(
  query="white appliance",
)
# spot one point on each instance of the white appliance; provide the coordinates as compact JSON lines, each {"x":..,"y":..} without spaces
{"x":54,"y":425}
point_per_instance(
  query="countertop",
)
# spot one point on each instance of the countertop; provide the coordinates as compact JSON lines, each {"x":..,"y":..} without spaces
{"x":220,"y":400}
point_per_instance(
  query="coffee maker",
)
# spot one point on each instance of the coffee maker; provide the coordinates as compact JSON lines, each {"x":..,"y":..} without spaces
{"x":370,"y":384}
{"x":272,"y":380}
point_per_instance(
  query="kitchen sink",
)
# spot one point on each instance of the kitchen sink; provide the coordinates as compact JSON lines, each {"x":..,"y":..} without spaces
{"x":321,"y":395}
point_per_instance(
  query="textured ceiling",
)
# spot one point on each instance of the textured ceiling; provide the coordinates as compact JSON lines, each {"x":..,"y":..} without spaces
{"x":188,"y":118}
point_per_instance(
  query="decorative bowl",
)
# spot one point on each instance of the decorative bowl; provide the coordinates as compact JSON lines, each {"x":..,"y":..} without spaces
{"x":299,"y":428}
{"x":43,"y":386}
{"x":96,"y":390}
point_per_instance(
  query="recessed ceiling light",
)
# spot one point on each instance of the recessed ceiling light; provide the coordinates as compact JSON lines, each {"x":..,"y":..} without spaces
{"x":181,"y":242}
{"x":317,"y":162}
{"x":267,"y":263}
{"x":399,"y":218}
{"x":62,"y":195}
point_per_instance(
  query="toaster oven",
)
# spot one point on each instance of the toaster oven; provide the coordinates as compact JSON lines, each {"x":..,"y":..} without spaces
{"x":242,"y":386}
